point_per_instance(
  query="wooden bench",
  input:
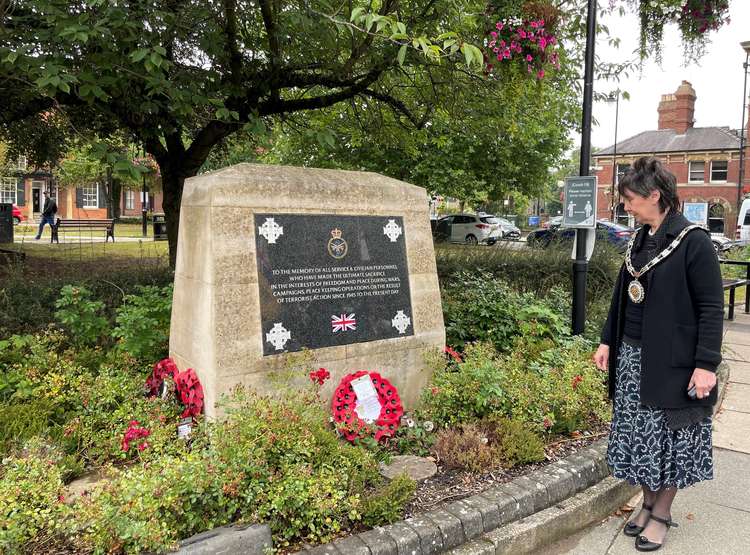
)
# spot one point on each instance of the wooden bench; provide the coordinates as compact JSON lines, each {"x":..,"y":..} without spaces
{"x":732,"y":285}
{"x":106,"y":225}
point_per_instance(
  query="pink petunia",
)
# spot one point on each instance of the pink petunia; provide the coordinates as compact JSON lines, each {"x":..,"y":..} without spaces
{"x":499,"y":26}
{"x":540,"y":74}
{"x":493,"y":34}
{"x":529,"y":57}
{"x":522,"y":34}
{"x":542,"y":43}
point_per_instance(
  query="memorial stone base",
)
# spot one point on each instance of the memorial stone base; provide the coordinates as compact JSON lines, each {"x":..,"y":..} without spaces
{"x":277,"y":260}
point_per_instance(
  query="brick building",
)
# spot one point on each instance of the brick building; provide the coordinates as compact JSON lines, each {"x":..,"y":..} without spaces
{"x":705,"y":160}
{"x":26,"y":190}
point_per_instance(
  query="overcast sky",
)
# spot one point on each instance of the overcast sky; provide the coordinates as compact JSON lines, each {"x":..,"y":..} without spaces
{"x":717,"y":78}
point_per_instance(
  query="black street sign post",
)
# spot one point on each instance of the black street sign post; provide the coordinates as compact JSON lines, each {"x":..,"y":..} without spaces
{"x":580,"y":265}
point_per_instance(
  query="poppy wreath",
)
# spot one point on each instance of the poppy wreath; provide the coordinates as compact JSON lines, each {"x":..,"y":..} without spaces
{"x":350,"y":425}
{"x":187,"y":384}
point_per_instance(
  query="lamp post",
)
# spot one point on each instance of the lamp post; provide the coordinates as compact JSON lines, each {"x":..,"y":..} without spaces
{"x":616,"y":100}
{"x":144,"y":201}
{"x":746,"y":47}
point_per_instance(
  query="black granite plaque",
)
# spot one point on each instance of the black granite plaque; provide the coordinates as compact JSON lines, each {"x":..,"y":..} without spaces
{"x":328,"y":280}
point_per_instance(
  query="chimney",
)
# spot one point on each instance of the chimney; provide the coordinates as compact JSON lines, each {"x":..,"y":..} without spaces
{"x":676,"y":110}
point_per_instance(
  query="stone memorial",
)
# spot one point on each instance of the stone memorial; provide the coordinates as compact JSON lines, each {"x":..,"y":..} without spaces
{"x":273,"y":260}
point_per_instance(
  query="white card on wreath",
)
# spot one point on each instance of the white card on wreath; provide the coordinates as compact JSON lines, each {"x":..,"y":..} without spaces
{"x":368,"y":404}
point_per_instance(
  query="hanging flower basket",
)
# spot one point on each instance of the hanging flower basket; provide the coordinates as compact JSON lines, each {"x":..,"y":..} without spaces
{"x":348,"y":422}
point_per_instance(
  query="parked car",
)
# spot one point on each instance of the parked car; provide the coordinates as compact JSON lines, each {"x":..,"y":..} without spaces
{"x":508,"y":229}
{"x":467,"y":228}
{"x":18,"y":217}
{"x":552,"y":222}
{"x":615,"y":234}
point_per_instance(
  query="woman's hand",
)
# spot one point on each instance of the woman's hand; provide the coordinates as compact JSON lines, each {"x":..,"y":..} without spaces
{"x":601,"y":357}
{"x":704,"y":381}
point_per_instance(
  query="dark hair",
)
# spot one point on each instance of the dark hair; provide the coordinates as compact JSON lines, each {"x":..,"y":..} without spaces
{"x":647,"y":175}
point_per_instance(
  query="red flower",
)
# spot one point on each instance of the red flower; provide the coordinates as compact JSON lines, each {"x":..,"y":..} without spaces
{"x":133,"y":433}
{"x":576,"y":380}
{"x":319,"y":376}
{"x":452,"y":353}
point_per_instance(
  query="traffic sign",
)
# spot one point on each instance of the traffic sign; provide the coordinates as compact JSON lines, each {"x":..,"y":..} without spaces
{"x":579,"y":202}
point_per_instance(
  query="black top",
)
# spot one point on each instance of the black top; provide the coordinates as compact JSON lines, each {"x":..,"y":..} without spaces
{"x":50,"y":207}
{"x":634,"y":311}
{"x":683,"y":313}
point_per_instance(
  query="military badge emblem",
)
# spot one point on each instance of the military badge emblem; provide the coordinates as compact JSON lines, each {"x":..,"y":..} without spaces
{"x":337,"y":246}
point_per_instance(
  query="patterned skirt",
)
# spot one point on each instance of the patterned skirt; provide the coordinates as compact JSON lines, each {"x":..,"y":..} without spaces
{"x":642,"y":448}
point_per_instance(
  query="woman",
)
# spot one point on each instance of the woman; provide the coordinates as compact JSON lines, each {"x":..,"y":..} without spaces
{"x":662,"y":344}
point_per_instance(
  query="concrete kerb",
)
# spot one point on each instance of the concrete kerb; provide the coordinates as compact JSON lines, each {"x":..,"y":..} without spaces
{"x":463,"y":526}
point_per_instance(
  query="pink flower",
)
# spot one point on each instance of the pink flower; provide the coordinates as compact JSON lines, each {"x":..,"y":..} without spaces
{"x":528,"y":68}
{"x":534,"y":24}
{"x":529,"y":57}
{"x":506,"y":53}
{"x":540,"y":74}
{"x":502,"y":44}
{"x":499,"y":26}
{"x":492,"y":43}
{"x":542,"y":43}
{"x":522,"y":34}
{"x":494,"y":34}
{"x":540,"y":23}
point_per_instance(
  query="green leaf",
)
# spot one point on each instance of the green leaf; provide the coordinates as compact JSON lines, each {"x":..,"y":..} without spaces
{"x":402,"y":54}
{"x":139,"y":54}
{"x":356,"y":13}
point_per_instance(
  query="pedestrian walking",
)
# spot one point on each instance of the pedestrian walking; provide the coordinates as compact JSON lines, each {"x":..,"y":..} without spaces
{"x":48,"y":214}
{"x":661,"y":345}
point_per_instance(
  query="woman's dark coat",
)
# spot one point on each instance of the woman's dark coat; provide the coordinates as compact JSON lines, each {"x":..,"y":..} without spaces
{"x":682,"y":319}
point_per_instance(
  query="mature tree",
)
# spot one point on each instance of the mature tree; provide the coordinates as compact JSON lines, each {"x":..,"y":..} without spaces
{"x":182,"y":76}
{"x":484,"y":138}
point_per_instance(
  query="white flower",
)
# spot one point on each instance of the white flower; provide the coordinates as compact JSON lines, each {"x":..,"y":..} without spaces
{"x":428,"y":425}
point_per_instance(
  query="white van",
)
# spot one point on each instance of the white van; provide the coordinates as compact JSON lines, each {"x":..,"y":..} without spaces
{"x":743,"y":222}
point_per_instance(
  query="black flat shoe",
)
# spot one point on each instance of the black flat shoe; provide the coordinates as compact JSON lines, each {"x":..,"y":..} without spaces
{"x":642,"y":543}
{"x":631,"y":529}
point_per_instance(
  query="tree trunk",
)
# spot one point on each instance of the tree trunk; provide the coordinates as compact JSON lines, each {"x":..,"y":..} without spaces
{"x":116,"y":196}
{"x":172,"y":184}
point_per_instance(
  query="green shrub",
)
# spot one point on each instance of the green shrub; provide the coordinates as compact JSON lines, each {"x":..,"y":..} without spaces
{"x":468,"y":391}
{"x":273,"y":460}
{"x":548,"y":386}
{"x":466,"y":447}
{"x":479,"y":307}
{"x":31,"y":491}
{"x":387,"y":506}
{"x":27,"y":295}
{"x":143,"y":322}
{"x":534,"y":271}
{"x":514,"y":442}
{"x":80,"y":315}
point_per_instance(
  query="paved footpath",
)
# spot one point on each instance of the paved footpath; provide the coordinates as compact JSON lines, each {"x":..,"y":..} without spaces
{"x":714,"y":516}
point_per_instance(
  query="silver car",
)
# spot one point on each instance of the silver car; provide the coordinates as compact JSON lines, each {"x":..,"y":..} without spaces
{"x":508,"y":229}
{"x":468,"y":228}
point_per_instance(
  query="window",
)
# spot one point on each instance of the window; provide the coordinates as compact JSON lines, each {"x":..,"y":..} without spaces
{"x":718,"y":170}
{"x":621,"y":171}
{"x":21,"y":163}
{"x":129,"y":200}
{"x":8,"y":189}
{"x":90,"y":196}
{"x":696,"y":172}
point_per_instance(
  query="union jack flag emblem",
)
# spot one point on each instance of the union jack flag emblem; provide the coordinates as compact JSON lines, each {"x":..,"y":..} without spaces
{"x":343,"y":322}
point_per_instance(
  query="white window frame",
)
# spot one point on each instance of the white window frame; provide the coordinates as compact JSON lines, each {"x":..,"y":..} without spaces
{"x":8,"y":190}
{"x":22,"y":163}
{"x":690,"y":172}
{"x":86,"y":195}
{"x":726,"y":171}
{"x":129,"y":199}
